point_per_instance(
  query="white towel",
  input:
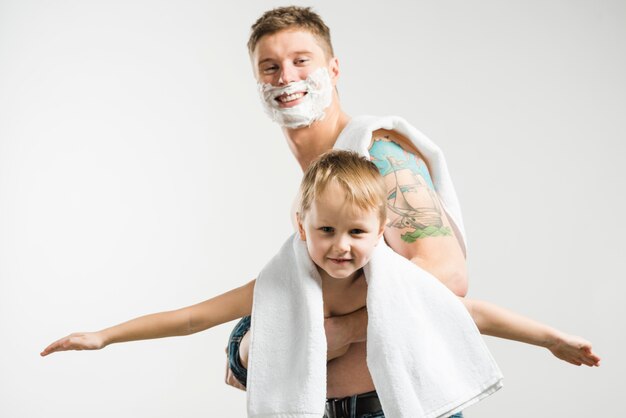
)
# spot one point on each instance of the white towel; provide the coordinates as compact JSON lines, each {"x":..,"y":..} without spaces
{"x":287,"y":357}
{"x":424,"y":352}
{"x":425,"y":355}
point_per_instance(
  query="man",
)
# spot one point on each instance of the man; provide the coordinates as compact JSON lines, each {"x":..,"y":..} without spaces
{"x":290,"y":45}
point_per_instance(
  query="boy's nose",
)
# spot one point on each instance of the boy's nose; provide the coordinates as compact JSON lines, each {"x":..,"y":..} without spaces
{"x":342,"y":244}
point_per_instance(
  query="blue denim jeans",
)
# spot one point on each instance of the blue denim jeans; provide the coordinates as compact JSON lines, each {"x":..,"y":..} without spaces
{"x":382,"y":415}
{"x":241,"y":374}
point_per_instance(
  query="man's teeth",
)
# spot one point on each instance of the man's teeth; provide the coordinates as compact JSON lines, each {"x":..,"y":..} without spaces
{"x":290,"y":97}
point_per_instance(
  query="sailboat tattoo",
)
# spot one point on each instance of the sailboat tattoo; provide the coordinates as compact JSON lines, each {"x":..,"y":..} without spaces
{"x":411,"y":199}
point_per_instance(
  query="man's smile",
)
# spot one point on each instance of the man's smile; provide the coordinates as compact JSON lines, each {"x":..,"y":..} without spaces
{"x":288,"y":99}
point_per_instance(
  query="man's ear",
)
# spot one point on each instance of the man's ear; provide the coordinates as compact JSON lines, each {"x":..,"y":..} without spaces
{"x":300,"y":226}
{"x":333,"y":70}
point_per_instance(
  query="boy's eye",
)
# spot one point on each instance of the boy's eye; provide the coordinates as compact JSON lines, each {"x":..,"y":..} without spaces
{"x":301,"y":60}
{"x":327,"y":229}
{"x":356,"y":231}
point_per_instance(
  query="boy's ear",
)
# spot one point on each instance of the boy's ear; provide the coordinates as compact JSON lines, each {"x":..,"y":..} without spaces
{"x":381,"y":231}
{"x":300,"y":227}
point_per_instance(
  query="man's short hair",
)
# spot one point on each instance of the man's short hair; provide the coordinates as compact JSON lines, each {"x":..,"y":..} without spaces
{"x":292,"y":17}
{"x":357,"y":176}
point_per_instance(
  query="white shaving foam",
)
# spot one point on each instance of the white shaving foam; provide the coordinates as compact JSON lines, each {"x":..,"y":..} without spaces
{"x":319,"y":96}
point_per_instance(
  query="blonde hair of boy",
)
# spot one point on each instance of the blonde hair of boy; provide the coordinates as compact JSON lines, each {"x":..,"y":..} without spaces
{"x":357,"y":176}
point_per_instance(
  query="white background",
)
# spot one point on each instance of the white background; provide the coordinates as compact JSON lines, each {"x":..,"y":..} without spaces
{"x":139,"y":174}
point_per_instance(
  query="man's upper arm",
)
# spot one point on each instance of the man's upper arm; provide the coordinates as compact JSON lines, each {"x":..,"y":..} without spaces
{"x":418,"y":227}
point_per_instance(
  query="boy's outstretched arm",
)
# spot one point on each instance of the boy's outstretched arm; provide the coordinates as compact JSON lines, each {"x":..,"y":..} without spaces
{"x":223,"y":308}
{"x":499,"y":322}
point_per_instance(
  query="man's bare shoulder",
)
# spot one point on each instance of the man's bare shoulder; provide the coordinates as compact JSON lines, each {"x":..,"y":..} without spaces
{"x":412,"y":201}
{"x":418,"y":227}
{"x":386,"y":135}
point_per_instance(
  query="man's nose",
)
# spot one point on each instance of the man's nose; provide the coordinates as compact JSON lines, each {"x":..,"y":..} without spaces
{"x":288,"y":74}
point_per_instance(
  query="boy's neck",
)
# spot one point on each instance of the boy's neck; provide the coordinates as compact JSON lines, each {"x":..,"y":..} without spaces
{"x":330,"y":283}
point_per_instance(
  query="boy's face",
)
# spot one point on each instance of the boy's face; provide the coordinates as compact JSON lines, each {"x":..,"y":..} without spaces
{"x":288,"y":56}
{"x":340,"y":236}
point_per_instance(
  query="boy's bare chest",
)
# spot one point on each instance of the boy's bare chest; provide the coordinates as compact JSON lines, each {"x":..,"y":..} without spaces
{"x":346,"y":301}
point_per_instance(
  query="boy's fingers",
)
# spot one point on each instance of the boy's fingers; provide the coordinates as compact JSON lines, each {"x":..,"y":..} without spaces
{"x":62,"y":344}
{"x":590,"y":358}
{"x":588,"y":362}
{"x":56,"y":346}
{"x":48,"y":350}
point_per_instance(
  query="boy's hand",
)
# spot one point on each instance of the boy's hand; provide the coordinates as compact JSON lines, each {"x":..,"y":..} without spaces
{"x":574,"y":350}
{"x":76,"y":341}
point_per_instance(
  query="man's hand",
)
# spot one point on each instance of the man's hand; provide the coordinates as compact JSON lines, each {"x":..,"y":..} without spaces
{"x":244,"y":349}
{"x":230,"y":378}
{"x":341,"y":331}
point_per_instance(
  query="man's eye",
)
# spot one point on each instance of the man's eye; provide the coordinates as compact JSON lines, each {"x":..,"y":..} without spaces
{"x":327,"y":229}
{"x":271,"y":69}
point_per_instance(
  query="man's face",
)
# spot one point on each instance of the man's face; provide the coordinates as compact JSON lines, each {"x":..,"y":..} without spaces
{"x":288,"y":56}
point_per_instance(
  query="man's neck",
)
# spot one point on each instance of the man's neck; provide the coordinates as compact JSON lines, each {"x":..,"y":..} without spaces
{"x":308,"y":143}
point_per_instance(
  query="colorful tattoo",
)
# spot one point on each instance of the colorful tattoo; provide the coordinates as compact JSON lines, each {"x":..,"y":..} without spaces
{"x":411,"y":197}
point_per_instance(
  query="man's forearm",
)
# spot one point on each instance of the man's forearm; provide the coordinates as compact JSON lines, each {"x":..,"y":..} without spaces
{"x":358,"y":325}
{"x":346,"y":329}
{"x":244,"y":349}
{"x":341,"y":331}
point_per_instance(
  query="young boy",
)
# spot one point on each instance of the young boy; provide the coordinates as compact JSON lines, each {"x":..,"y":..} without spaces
{"x":341,"y":217}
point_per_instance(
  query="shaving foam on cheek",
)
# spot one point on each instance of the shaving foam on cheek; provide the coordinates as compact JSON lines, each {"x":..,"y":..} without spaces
{"x":319,"y":94}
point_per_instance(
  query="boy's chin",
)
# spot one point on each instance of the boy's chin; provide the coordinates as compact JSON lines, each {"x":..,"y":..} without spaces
{"x":344,"y":275}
